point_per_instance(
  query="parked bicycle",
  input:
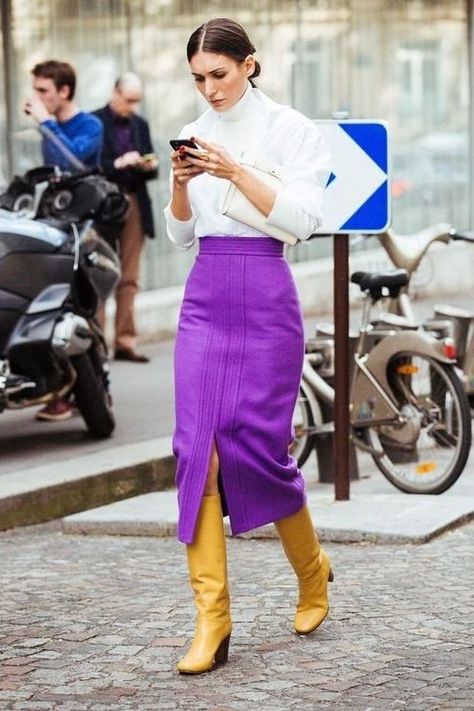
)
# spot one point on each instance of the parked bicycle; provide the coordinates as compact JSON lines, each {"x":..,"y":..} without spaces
{"x":409,"y":410}
{"x":406,"y":252}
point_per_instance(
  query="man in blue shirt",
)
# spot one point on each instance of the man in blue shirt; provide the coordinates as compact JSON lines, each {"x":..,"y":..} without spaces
{"x":52,"y":105}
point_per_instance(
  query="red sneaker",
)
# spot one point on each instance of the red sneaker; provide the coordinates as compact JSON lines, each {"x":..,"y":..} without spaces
{"x":55,"y":411}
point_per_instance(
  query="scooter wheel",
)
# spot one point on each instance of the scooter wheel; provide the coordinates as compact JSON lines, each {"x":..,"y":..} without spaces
{"x":92,"y":396}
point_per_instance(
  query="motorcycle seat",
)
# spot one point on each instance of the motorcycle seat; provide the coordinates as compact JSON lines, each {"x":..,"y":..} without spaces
{"x":56,"y":223}
{"x":374,"y":282}
{"x":41,"y":230}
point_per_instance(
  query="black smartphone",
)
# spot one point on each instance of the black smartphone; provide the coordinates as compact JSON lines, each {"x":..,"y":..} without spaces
{"x":176,"y":143}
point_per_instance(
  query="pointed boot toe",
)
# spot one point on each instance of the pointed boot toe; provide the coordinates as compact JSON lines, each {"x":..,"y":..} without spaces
{"x":313,"y":603}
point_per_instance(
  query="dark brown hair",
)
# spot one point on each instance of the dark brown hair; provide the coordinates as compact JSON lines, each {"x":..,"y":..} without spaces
{"x":222,"y":36}
{"x":61,"y":73}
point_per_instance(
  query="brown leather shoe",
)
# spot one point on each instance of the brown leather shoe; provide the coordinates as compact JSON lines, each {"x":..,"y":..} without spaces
{"x":131,"y":355}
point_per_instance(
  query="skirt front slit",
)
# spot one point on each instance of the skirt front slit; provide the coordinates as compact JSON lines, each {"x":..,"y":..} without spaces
{"x":238,"y":362}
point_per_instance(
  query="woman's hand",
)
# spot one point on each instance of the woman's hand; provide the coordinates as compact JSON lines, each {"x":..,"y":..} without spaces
{"x":216,"y":162}
{"x":183,"y":169}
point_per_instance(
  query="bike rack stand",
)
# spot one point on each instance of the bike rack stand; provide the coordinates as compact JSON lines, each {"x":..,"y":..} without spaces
{"x":326,"y":445}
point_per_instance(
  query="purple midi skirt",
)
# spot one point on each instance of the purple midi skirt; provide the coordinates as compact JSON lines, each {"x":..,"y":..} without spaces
{"x":238,"y":362}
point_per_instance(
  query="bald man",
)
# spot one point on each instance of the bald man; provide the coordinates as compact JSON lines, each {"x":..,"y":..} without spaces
{"x":128,"y":160}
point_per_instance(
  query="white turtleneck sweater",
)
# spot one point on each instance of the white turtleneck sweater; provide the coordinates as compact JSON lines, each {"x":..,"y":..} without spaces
{"x":263,"y":129}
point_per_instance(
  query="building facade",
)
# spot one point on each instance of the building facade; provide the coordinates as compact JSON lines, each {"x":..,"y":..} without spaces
{"x":404,"y":61}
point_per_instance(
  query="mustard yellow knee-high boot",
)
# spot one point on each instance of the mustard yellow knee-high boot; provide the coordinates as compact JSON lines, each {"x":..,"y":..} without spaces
{"x":207,"y":562}
{"x":311,"y":565}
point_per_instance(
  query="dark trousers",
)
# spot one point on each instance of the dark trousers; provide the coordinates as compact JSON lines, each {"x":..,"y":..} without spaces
{"x":131,"y":242}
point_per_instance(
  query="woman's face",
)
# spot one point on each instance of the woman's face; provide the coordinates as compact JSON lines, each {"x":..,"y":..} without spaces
{"x":220,"y":79}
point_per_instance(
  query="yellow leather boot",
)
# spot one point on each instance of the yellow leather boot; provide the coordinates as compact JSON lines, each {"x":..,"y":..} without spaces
{"x":311,"y":565}
{"x":207,"y":562}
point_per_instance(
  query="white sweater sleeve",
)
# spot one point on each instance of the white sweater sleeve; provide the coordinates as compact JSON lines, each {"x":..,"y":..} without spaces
{"x":180,"y":232}
{"x":306,"y":170}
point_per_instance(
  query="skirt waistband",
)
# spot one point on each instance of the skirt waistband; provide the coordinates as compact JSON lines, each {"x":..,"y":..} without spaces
{"x":263,"y":246}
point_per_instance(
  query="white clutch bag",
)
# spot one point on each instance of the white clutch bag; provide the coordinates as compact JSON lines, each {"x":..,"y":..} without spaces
{"x":239,"y":208}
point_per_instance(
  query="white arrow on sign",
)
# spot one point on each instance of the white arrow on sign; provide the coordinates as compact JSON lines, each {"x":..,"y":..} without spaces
{"x":357,"y":177}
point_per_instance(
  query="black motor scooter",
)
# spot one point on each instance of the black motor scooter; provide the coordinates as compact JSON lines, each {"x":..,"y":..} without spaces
{"x":56,"y":265}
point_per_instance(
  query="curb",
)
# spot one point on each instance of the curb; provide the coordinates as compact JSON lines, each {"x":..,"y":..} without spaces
{"x":370,"y":519}
{"x":72,"y":486}
{"x":168,"y":529}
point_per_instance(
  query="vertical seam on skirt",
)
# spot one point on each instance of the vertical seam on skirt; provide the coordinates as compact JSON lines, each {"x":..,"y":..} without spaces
{"x":226,"y":332}
{"x":239,"y":381}
{"x":227,"y":322}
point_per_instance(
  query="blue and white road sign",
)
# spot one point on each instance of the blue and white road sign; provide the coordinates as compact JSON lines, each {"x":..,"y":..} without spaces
{"x":357,"y":197}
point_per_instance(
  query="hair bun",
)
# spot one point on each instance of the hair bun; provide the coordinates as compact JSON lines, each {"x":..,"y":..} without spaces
{"x":256,"y":71}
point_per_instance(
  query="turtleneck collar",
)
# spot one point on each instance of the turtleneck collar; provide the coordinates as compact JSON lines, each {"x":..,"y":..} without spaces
{"x":241,"y":109}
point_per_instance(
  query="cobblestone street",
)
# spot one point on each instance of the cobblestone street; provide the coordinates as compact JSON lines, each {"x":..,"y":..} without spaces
{"x":98,"y":623}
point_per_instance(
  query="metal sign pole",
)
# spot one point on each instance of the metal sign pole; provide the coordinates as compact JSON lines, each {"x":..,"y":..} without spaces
{"x":356,"y":200}
{"x":341,"y":374}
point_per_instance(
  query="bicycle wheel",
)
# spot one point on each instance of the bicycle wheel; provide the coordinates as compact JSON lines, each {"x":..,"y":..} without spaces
{"x":428,"y":451}
{"x":303,"y":420}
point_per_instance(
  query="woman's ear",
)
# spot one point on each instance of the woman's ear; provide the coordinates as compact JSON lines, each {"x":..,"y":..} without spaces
{"x":249,"y":64}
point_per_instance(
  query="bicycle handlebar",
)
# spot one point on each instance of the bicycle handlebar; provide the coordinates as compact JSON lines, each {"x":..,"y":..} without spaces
{"x":466,"y":236}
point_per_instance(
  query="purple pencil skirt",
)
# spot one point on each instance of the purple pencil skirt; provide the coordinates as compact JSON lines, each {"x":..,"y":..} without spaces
{"x":238,"y":362}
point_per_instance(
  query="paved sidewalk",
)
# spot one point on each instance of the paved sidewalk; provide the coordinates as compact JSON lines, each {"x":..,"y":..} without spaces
{"x":97,"y":624}
{"x":143,"y":404}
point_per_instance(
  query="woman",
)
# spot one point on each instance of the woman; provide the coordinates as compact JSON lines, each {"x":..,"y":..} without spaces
{"x":240,"y":344}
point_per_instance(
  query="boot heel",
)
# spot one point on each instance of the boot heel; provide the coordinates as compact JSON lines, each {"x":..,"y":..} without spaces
{"x":331,"y":576}
{"x":222,"y":653}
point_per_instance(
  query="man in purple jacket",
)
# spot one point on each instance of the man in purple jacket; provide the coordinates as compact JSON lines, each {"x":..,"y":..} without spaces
{"x":128,"y":160}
